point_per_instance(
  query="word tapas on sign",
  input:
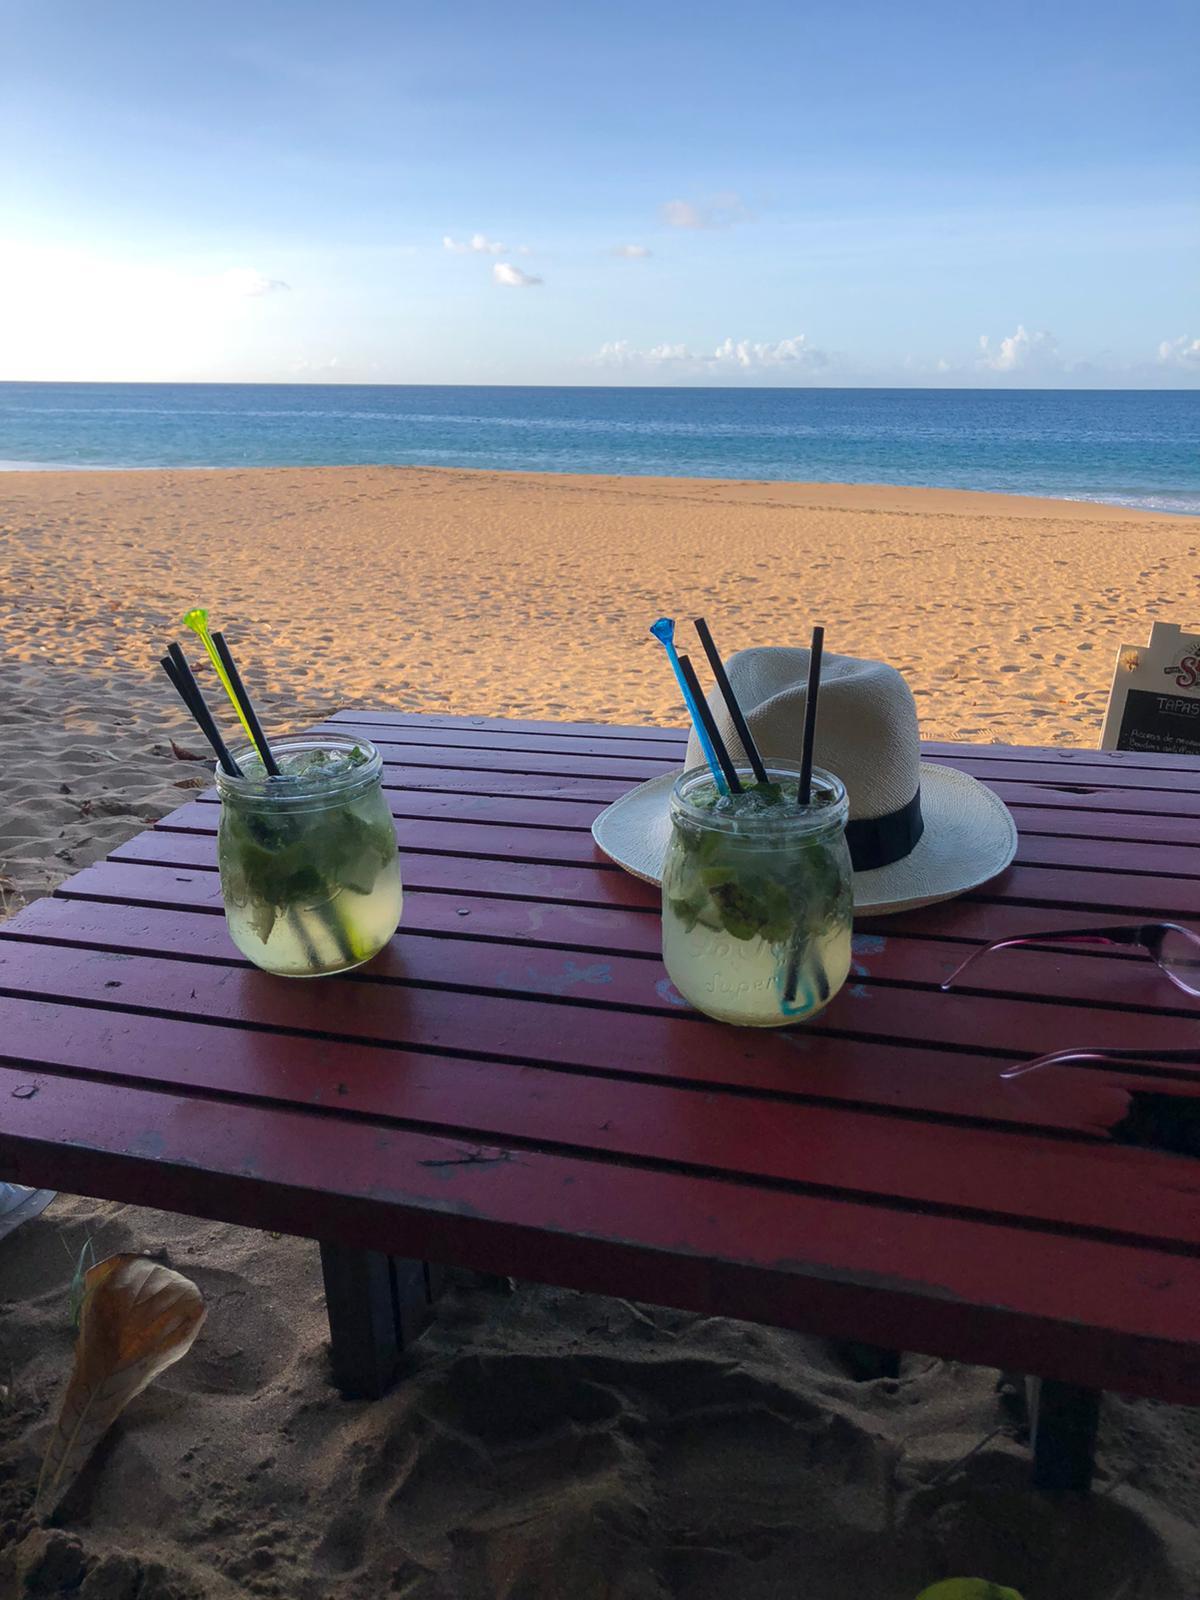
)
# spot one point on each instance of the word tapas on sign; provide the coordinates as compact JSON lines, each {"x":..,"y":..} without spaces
{"x":1154,"y":703}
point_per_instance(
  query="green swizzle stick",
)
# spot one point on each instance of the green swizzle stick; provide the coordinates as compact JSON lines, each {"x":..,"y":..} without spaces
{"x":197,"y":620}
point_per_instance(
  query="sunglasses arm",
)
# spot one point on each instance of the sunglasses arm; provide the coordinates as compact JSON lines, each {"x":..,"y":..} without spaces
{"x":1094,"y":936}
{"x":1188,"y":1058}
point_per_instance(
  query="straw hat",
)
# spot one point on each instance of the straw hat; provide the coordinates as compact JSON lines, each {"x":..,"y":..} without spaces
{"x":918,"y":832}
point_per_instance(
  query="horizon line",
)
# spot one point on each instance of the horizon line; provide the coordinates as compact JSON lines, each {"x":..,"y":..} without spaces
{"x":663,"y":388}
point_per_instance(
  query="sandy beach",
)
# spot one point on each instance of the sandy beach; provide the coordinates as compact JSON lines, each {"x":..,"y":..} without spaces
{"x":546,"y":1444}
{"x":523,"y":595}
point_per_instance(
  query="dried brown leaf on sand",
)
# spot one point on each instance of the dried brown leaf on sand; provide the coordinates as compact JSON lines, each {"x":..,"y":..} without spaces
{"x":11,"y":898}
{"x":137,"y":1319}
{"x":182,"y":753}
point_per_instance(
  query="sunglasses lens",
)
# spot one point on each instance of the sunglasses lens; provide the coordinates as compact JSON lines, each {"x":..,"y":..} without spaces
{"x":1180,"y":957}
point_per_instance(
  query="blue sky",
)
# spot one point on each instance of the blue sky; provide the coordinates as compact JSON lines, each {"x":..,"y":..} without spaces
{"x":843,"y":192}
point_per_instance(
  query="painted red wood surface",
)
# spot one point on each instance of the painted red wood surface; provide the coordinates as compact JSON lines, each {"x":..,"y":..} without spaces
{"x":488,"y":828}
{"x":440,"y":856}
{"x":521,"y":1024}
{"x":1043,"y":1301}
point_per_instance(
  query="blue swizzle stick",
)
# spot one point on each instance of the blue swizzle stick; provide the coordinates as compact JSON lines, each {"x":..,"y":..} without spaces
{"x":664,"y":631}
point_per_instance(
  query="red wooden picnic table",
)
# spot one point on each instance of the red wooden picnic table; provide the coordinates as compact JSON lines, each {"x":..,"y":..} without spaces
{"x":513,"y":1085}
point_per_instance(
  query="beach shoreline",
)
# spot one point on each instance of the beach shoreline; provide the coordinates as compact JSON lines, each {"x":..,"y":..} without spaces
{"x":1134,"y":448}
{"x":875,"y":495}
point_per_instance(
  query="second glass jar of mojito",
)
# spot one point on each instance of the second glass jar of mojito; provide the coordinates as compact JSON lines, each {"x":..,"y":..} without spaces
{"x":757,"y":896}
{"x":309,"y":869}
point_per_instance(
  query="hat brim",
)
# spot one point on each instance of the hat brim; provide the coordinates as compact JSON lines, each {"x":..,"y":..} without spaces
{"x":969,"y":837}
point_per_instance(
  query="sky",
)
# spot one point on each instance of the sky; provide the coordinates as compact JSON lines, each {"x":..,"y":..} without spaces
{"x":830,"y":192}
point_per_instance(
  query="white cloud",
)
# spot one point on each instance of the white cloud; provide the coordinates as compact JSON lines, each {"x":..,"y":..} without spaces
{"x":715,"y":211}
{"x":1181,"y":352}
{"x":478,"y":244}
{"x":786,"y":352}
{"x":1020,"y":352}
{"x":663,"y":353}
{"x":245,"y":281}
{"x":631,"y":252}
{"x":682,"y":214}
{"x":512,"y":277}
{"x":744,"y":355}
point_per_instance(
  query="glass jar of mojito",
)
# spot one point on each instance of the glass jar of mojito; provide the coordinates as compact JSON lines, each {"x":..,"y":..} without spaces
{"x":309,"y":870}
{"x":757,"y":896}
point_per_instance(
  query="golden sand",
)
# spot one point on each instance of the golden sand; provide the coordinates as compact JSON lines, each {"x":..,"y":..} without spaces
{"x":518,"y":594}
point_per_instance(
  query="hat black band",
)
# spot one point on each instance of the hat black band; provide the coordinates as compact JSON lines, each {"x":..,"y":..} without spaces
{"x":878,"y":841}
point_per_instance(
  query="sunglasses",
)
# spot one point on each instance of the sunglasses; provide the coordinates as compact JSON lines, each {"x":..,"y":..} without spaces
{"x":1173,"y":948}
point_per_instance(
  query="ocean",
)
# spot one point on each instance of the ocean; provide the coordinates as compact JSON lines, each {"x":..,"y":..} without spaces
{"x":1129,"y":447}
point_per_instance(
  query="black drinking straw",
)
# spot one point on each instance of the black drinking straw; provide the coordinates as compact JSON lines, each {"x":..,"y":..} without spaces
{"x":174,"y":664}
{"x":727,"y":694}
{"x":804,"y":794}
{"x":248,"y":711}
{"x":710,"y":727}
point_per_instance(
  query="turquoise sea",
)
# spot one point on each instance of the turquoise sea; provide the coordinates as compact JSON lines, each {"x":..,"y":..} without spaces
{"x":1130,"y":447}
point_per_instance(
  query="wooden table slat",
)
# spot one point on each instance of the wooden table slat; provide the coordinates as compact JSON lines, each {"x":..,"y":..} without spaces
{"x":394,"y":744}
{"x":518,"y":835}
{"x":482,"y":727}
{"x":600,"y":882}
{"x":503,"y":725}
{"x":990,"y":769}
{"x":603,"y":929}
{"x":1084,"y":1310}
{"x":630,"y":769}
{"x":441,"y":945}
{"x":1065,"y":756}
{"x":1035,"y":809}
{"x":854,"y":1152}
{"x":541,"y":1029}
{"x":893,"y":1078}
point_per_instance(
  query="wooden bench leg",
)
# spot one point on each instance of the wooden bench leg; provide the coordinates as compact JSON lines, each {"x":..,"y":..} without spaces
{"x":377,"y":1305}
{"x":1062,"y":1420}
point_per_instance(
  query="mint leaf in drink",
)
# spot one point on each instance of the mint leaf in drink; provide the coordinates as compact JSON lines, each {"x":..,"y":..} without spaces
{"x":757,"y":883}
{"x":302,"y":859}
{"x":769,"y":794}
{"x":689,"y":909}
{"x":752,"y":802}
{"x":262,"y":918}
{"x":349,"y":851}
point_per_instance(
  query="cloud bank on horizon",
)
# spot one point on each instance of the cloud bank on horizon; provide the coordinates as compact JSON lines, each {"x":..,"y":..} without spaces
{"x":1020,"y":354}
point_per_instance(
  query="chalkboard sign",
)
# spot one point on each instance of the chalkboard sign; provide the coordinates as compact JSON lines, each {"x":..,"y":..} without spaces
{"x":1155,"y":699}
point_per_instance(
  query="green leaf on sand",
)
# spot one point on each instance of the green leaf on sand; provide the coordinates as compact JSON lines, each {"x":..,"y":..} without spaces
{"x":968,"y":1589}
{"x":87,"y":1260}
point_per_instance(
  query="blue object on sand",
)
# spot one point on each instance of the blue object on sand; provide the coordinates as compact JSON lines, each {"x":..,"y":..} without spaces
{"x":664,"y":631}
